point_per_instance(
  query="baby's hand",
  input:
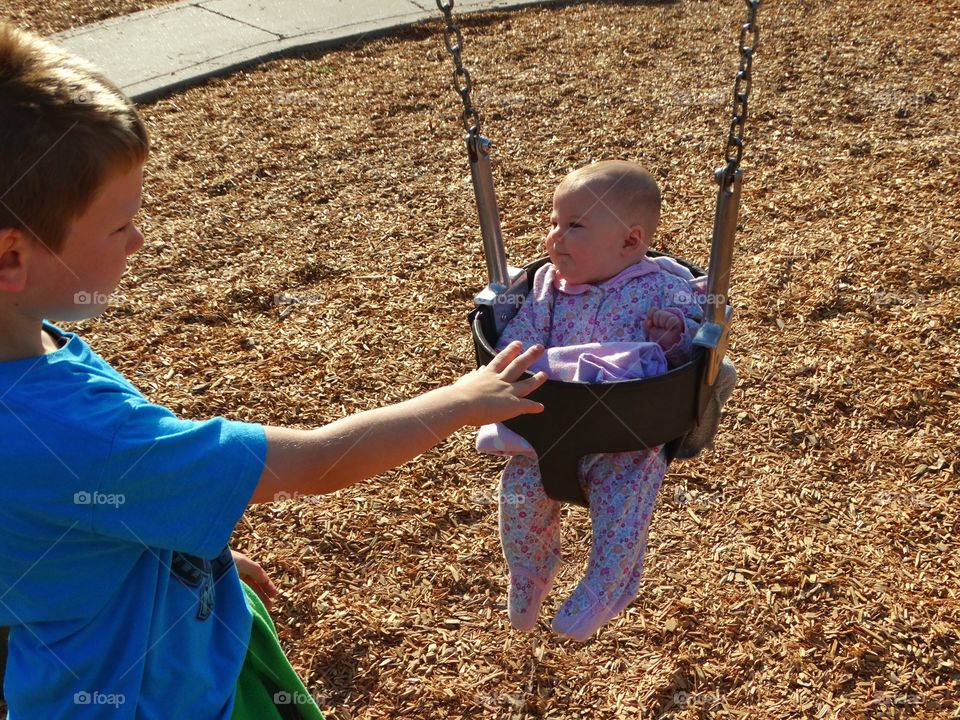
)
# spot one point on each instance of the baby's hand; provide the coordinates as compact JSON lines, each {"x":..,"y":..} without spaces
{"x":663,"y":328}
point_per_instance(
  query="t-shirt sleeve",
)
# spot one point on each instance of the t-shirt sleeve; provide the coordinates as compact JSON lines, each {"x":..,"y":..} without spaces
{"x":177,"y":484}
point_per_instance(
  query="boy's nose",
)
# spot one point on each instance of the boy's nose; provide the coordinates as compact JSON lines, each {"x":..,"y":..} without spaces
{"x":135,"y":242}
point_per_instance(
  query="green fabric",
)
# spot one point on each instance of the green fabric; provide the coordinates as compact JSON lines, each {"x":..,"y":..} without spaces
{"x":267,"y":676}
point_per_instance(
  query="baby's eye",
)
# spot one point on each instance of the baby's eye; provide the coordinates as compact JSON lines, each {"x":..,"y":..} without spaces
{"x":575,"y":225}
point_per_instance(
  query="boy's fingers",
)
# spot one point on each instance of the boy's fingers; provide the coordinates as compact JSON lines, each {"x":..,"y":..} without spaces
{"x":503,"y":358}
{"x":254,"y":574}
{"x":265,"y":597}
{"x":525,"y":387}
{"x":519,"y":365}
{"x":264,"y":582}
{"x":530,"y":407}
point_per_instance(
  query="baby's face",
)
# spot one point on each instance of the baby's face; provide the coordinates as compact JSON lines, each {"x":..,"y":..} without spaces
{"x":588,"y":240}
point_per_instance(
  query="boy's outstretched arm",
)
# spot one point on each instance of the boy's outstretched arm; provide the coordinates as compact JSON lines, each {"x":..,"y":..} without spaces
{"x":363,"y":445}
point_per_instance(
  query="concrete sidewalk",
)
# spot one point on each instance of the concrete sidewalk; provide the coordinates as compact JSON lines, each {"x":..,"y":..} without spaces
{"x":157,"y":51}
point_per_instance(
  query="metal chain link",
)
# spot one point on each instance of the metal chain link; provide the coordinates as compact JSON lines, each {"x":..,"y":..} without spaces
{"x":453,"y":39}
{"x":741,"y":93}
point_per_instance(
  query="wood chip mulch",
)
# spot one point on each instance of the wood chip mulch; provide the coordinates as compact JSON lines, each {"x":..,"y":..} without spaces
{"x":46,"y":17}
{"x":312,"y":251}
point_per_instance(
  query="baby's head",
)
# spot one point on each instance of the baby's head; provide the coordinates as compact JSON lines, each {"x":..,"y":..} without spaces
{"x":72,"y":146}
{"x":604,"y":218}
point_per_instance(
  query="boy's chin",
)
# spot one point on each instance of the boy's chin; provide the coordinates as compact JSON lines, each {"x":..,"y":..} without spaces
{"x":78,"y":312}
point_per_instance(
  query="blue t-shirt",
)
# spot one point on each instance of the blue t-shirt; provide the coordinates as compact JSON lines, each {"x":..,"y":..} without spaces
{"x":115,"y":577}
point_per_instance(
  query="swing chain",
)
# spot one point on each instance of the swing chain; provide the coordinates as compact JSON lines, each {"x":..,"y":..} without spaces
{"x":741,"y":93}
{"x":453,"y":39}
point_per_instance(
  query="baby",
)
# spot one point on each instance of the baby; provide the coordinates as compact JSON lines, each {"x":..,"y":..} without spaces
{"x":606,"y":312}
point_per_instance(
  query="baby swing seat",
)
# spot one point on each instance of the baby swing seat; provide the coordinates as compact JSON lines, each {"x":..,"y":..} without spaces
{"x":584,"y":418}
{"x":679,"y":409}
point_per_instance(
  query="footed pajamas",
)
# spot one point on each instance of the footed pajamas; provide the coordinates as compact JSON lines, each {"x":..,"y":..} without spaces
{"x":621,"y":487}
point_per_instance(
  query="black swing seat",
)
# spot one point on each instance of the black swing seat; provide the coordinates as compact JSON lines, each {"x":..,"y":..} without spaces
{"x":584,"y":418}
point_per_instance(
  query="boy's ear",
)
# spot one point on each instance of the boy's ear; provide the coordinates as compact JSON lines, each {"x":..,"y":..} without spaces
{"x":13,"y":269}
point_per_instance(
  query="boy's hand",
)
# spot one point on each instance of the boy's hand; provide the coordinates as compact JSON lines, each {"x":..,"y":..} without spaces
{"x":493,"y":393}
{"x":256,"y":577}
{"x":663,"y":328}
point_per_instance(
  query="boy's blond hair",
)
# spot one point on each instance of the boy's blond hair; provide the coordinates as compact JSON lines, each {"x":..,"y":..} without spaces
{"x":625,"y":187}
{"x":64,"y":129}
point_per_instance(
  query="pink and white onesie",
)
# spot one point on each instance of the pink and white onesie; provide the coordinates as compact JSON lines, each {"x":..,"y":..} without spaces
{"x":621,"y":487}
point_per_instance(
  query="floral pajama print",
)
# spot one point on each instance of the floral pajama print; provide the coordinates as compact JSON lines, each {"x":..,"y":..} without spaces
{"x":621,"y":487}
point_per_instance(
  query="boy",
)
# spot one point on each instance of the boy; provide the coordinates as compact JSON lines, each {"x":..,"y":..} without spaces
{"x":122,"y":598}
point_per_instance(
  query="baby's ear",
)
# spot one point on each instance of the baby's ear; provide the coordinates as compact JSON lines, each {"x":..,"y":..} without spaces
{"x":636,"y":242}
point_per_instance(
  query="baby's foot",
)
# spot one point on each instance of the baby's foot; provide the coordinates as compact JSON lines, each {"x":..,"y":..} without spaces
{"x":628,"y":595}
{"x":582,"y":614}
{"x":526,"y":595}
